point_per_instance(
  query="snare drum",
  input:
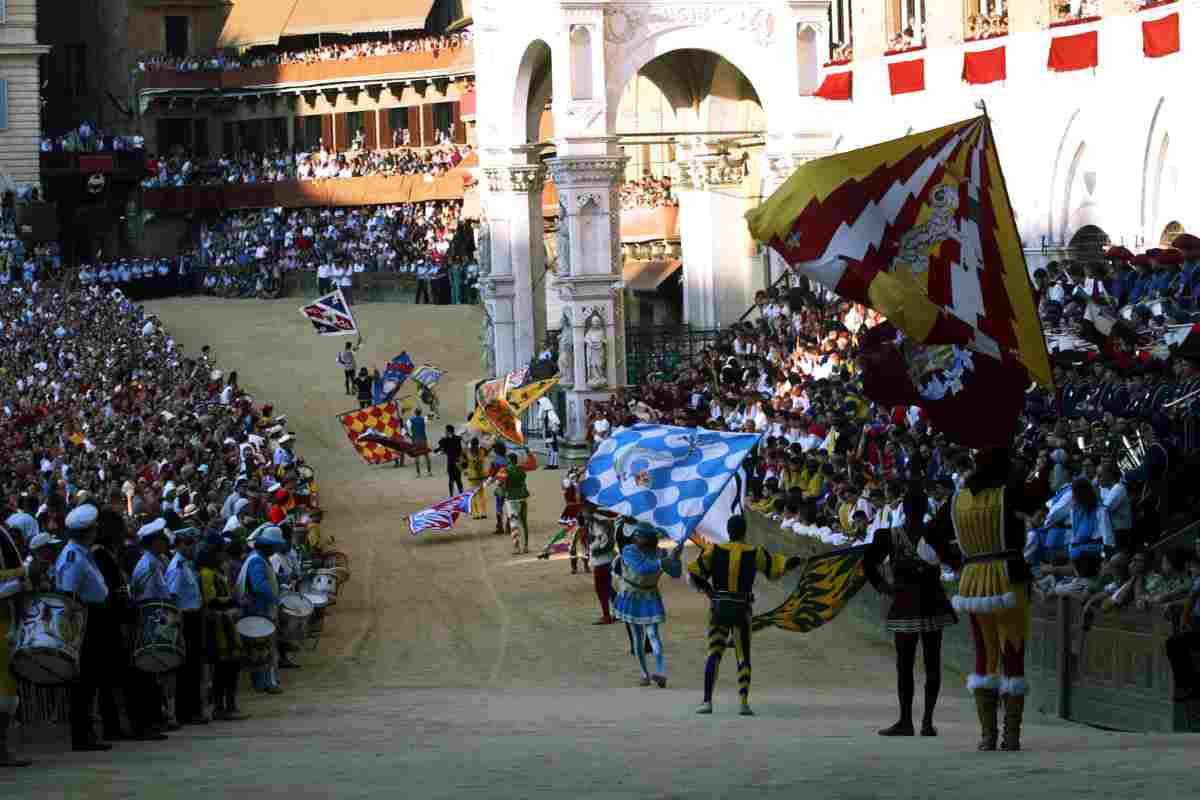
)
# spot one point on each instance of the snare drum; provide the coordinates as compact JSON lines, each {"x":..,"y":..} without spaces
{"x":49,"y":636}
{"x":158,"y":637}
{"x":294,"y":613}
{"x":258,"y":640}
{"x":316,"y":622}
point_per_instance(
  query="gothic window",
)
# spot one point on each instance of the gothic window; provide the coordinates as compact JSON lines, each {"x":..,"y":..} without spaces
{"x":841,"y":31}
{"x":581,"y":63}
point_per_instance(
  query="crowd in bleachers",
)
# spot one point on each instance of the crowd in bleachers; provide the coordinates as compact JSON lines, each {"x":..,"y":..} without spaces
{"x":181,"y":169}
{"x":347,"y":51}
{"x":647,"y":192}
{"x":26,"y":264}
{"x":247,"y":253}
{"x":142,"y":484}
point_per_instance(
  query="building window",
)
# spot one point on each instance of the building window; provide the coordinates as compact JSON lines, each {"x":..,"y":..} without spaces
{"x":74,"y":69}
{"x":398,"y":125}
{"x":1072,"y":10}
{"x":176,"y":36}
{"x":985,"y":19}
{"x":841,"y":31}
{"x":907,"y":25}
{"x":3,"y":104}
{"x":356,"y":130}
{"x":443,"y":122}
{"x":311,"y":133}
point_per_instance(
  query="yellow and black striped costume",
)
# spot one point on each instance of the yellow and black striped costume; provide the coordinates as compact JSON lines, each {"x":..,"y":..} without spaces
{"x":732,"y":567}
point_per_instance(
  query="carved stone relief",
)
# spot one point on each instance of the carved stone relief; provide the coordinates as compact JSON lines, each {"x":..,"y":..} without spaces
{"x":624,"y":23}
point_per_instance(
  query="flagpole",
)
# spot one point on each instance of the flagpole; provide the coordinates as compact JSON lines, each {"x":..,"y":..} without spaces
{"x":987,"y":124}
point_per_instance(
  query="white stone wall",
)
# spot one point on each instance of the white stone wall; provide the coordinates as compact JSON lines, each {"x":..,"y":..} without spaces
{"x":19,"y":52}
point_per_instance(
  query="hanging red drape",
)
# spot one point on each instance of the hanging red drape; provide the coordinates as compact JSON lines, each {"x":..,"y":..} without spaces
{"x":1160,"y":37}
{"x":907,"y":76}
{"x":837,"y":86}
{"x":985,"y":66}
{"x":1068,"y":53}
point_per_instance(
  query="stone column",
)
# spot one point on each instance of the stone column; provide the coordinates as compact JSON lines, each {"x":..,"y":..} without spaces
{"x":719,"y":278}
{"x":512,"y":212}
{"x":589,"y":282}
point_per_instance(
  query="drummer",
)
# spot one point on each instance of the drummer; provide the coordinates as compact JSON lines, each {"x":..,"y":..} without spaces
{"x":287,"y":565}
{"x":184,"y":587}
{"x":258,"y":587}
{"x":78,"y":575}
{"x":39,"y":564}
{"x":149,"y":583}
{"x":11,"y":583}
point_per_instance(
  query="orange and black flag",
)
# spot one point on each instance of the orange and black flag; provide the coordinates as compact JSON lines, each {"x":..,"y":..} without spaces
{"x":824,"y":589}
{"x":920,"y":229}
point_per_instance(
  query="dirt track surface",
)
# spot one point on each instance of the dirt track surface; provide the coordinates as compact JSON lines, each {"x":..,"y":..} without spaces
{"x":451,"y":668}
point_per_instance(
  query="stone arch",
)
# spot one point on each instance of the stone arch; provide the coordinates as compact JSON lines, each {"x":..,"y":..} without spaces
{"x":738,"y":48}
{"x":1162,"y":178}
{"x":532,"y":90}
{"x":582,"y":63}
{"x":1081,"y":179}
{"x":1064,"y":159}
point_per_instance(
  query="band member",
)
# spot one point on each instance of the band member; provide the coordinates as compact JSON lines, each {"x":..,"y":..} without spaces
{"x":12,"y":583}
{"x":639,"y":602}
{"x":994,"y":588}
{"x":78,"y":575}
{"x":224,"y":644}
{"x":149,"y":582}
{"x":726,"y":572}
{"x":919,"y":610}
{"x":258,"y":587}
{"x":184,"y":587}
{"x":475,"y":464}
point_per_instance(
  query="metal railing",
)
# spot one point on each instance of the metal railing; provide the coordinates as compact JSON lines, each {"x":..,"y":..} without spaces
{"x":665,"y":349}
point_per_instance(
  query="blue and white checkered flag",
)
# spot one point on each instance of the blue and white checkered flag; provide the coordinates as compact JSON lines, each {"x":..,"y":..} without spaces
{"x":676,"y":479}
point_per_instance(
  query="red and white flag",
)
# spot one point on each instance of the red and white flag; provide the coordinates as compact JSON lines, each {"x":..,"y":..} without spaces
{"x":440,"y":516}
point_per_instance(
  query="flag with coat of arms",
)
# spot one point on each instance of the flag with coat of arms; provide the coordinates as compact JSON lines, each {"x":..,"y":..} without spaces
{"x":921,"y":229}
{"x":440,"y":516}
{"x":330,"y":315}
{"x":680,"y":480}
{"x":396,"y":373}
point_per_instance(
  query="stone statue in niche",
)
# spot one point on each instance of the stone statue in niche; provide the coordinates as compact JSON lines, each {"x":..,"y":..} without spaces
{"x":563,"y":241}
{"x":484,"y":247}
{"x":566,"y":352}
{"x":596,"y":347}
{"x":487,"y":345}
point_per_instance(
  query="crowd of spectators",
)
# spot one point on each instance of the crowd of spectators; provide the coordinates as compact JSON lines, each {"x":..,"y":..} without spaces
{"x":987,"y":25}
{"x":647,"y":192}
{"x":164,"y":475}
{"x":909,"y":38}
{"x":348,"y":51}
{"x":88,"y":138}
{"x":247,"y":253}
{"x":140,"y":278}
{"x":25,"y":263}
{"x":181,"y":169}
{"x":1114,"y":451}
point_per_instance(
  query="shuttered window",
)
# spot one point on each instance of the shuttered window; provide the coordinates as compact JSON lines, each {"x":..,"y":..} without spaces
{"x":3,"y":102}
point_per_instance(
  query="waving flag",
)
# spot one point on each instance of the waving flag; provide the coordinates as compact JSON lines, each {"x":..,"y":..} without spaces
{"x":427,"y":375}
{"x":396,"y":373}
{"x":497,"y":413}
{"x":330,"y":315}
{"x":440,"y":516}
{"x":679,"y":480}
{"x":921,"y":229}
{"x":386,"y":419}
{"x":824,"y":589}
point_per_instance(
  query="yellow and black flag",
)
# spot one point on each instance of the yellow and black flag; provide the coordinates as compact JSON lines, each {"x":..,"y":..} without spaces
{"x":822,"y":592}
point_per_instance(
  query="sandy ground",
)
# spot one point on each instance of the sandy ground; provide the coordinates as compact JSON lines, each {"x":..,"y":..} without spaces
{"x":451,"y":668}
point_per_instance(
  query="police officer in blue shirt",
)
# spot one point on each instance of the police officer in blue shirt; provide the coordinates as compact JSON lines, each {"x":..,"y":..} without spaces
{"x":79,"y":576}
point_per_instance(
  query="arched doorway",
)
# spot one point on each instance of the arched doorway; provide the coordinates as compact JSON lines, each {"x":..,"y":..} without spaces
{"x":691,"y":124}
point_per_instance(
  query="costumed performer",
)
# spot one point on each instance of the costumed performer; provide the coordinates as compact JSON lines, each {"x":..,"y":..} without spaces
{"x":569,"y":518}
{"x":994,"y":587}
{"x":725,"y":571}
{"x":639,"y":602}
{"x":474,"y":462}
{"x":918,"y":612}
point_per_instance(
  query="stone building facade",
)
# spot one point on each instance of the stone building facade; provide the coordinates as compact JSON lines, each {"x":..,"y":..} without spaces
{"x":20,"y":98}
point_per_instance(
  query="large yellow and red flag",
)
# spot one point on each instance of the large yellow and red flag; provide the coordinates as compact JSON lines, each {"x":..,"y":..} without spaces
{"x":920,"y":229}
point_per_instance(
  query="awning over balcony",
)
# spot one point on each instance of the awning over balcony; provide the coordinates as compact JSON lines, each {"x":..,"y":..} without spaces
{"x":356,"y":16}
{"x":646,"y":276}
{"x":252,"y":23}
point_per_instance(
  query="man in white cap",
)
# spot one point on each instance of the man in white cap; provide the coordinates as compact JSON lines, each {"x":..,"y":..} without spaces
{"x":184,"y":586}
{"x":258,"y":590}
{"x":149,"y":580}
{"x":78,"y":575}
{"x":39,"y":565}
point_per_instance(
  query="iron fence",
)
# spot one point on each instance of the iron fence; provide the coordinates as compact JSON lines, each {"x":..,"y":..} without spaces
{"x":665,"y":349}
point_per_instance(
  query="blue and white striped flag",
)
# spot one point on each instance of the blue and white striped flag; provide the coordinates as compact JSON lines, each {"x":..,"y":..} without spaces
{"x":680,"y":480}
{"x":440,"y":516}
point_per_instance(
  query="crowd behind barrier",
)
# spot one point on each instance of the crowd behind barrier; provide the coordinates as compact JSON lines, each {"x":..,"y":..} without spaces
{"x":647,"y":192}
{"x":147,"y":490}
{"x":258,"y":57}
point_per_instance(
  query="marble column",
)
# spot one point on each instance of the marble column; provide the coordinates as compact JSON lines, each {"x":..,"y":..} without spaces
{"x":512,"y":212}
{"x":720,"y":270}
{"x":589,"y":282}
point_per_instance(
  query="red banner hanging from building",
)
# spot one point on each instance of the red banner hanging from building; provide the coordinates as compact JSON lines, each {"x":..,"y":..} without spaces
{"x":984,"y":66}
{"x":1160,"y":37}
{"x":1069,"y":53}
{"x":907,"y":76}
{"x":95,"y":163}
{"x":836,"y":86}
